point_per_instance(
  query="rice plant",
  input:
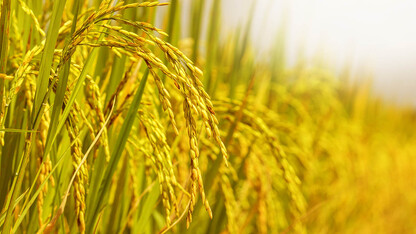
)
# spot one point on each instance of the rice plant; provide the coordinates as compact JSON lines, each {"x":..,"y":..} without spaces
{"x":110,"y":124}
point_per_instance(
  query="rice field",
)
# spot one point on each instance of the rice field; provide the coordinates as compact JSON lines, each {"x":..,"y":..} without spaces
{"x":110,"y":124}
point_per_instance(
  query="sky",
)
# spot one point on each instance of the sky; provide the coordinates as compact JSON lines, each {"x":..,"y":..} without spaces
{"x":374,"y":35}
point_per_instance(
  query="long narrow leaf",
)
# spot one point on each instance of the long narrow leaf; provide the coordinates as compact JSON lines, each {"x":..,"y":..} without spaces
{"x":117,"y":152}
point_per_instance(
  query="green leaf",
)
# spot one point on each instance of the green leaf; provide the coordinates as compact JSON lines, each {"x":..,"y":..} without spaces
{"x":47,"y":58}
{"x":116,"y":154}
{"x":6,"y":162}
{"x":147,"y":207}
{"x":61,"y":89}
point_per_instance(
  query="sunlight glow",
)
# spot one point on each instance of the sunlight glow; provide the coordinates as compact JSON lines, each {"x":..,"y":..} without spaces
{"x":376,"y":34}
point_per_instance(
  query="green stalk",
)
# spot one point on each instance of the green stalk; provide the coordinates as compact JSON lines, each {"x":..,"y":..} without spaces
{"x":197,"y":10}
{"x":4,"y":38}
{"x":239,"y":54}
{"x":172,"y":21}
{"x":5,"y":169}
{"x":147,"y":208}
{"x":4,"y":45}
{"x":46,"y":62}
{"x":212,"y":45}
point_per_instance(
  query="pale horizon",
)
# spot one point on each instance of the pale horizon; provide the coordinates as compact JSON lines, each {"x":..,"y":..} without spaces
{"x":377,"y":36}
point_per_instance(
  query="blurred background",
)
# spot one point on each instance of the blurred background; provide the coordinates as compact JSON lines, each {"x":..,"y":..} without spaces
{"x":334,"y":82}
{"x":376,"y":37}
